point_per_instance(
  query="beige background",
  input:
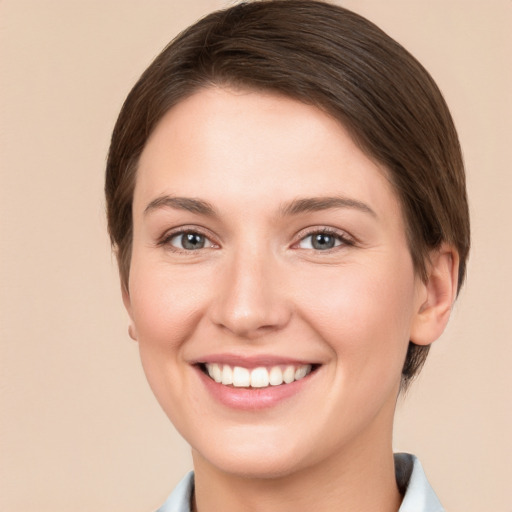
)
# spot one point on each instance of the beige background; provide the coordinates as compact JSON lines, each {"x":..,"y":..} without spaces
{"x":79,"y":428}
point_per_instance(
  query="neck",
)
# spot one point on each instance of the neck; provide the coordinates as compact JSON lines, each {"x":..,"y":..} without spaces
{"x":362,"y":480}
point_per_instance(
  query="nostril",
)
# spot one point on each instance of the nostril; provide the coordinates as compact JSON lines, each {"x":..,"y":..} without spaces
{"x":250,"y":322}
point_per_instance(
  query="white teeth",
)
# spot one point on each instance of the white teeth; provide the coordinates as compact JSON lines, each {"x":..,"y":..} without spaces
{"x":260,"y":377}
{"x":241,"y":377}
{"x":217,"y":373}
{"x":227,"y":375}
{"x":214,"y":372}
{"x":275,"y":376}
{"x":302,"y":371}
{"x":289,"y":374}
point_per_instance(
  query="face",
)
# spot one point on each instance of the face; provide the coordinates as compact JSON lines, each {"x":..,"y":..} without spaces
{"x":271,"y":289}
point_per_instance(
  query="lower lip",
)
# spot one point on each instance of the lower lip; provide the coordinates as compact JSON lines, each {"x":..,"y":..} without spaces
{"x":252,"y":398}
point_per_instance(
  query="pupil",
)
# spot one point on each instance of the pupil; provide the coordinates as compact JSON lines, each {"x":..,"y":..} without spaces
{"x":192,"y":241}
{"x":323,"y":241}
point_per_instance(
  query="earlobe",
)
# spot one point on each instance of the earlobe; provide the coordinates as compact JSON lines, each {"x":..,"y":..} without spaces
{"x":132,"y":332}
{"x":438,"y":294}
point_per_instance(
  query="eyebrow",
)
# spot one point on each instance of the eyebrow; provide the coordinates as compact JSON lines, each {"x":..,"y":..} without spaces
{"x":295,"y":207}
{"x":181,"y":203}
{"x":314,"y":204}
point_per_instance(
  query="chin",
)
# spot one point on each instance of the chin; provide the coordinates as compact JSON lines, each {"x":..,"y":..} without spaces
{"x":263,"y":466}
{"x":263,"y":459}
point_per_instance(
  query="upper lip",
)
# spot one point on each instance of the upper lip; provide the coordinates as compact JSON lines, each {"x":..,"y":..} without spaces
{"x":253,"y":361}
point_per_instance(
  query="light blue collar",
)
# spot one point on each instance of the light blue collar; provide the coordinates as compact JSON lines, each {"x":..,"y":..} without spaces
{"x":419,"y":495}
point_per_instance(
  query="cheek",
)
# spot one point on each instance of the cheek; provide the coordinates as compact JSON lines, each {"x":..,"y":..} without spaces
{"x":363,"y":312}
{"x":166,"y":309}
{"x":165,"y":304}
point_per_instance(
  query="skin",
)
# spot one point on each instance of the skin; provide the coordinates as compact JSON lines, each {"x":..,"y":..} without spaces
{"x":258,"y":287}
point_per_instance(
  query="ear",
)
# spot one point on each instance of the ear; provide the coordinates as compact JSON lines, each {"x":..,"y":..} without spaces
{"x":436,"y":296}
{"x":132,"y":331}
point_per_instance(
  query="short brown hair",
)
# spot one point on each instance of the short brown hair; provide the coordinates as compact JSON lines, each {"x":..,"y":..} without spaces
{"x":336,"y":60}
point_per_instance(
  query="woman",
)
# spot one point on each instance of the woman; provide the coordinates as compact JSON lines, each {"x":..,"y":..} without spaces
{"x":286,"y":198}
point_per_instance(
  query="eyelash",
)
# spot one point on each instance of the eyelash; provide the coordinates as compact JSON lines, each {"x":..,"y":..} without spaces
{"x":341,"y":239}
{"x":167,"y":238}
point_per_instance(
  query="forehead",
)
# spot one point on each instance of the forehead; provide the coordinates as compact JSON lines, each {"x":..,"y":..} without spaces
{"x":247,"y":146}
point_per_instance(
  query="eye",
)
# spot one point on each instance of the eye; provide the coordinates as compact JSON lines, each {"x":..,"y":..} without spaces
{"x":189,"y":241}
{"x":322,"y":241}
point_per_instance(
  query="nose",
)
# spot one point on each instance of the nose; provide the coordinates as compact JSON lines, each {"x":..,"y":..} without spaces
{"x":251,"y":296}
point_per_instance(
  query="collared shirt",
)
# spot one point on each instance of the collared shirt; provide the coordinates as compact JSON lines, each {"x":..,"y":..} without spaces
{"x":418,"y":495}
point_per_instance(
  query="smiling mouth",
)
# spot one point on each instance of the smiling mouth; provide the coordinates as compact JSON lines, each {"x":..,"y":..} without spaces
{"x":260,"y":377}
